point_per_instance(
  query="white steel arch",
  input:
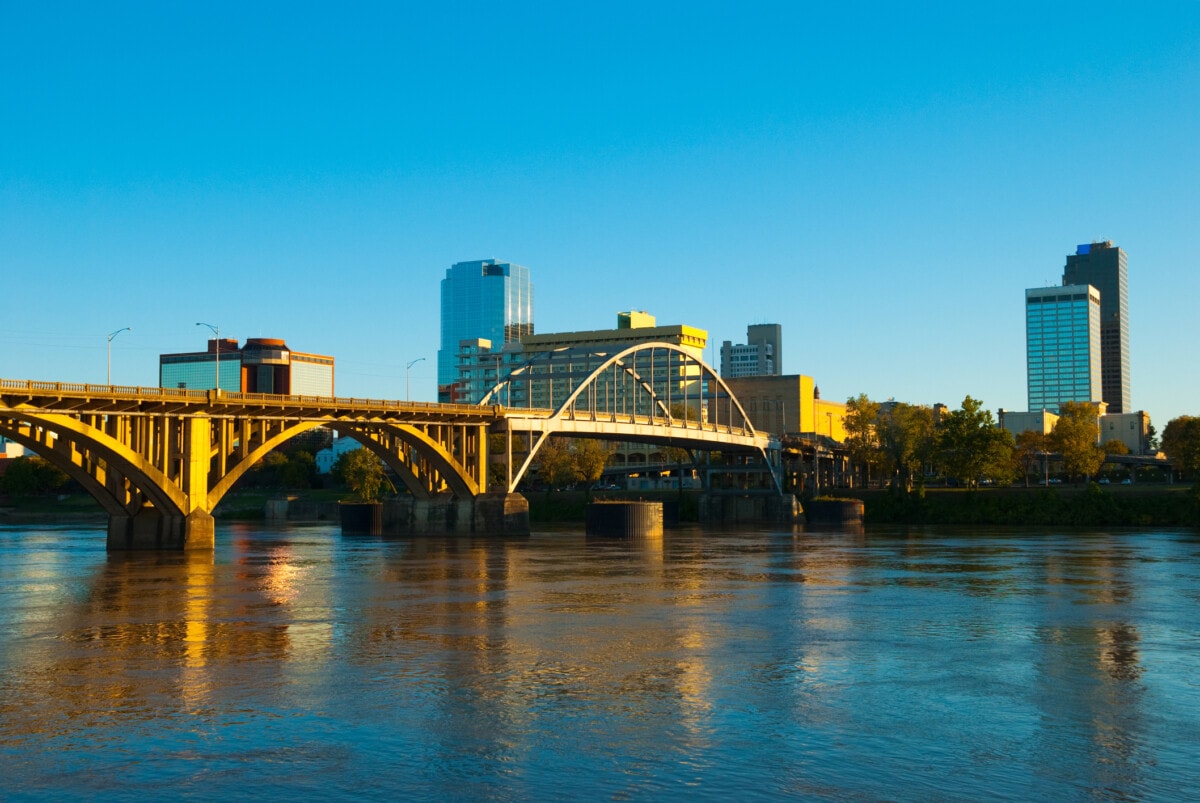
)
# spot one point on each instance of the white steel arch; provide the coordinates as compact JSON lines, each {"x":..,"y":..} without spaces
{"x":649,"y":392}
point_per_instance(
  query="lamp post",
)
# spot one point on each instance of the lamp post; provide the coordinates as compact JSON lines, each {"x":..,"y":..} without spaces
{"x":110,"y":340}
{"x":216,"y":330}
{"x":407,"y":370}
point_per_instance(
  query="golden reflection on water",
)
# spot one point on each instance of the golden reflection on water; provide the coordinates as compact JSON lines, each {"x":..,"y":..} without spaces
{"x":196,"y":684}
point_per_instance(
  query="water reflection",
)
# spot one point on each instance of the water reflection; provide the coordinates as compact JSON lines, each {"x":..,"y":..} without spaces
{"x":787,"y":662}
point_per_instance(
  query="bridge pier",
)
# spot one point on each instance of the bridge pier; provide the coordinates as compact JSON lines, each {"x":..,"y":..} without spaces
{"x":486,"y":514}
{"x":149,"y":528}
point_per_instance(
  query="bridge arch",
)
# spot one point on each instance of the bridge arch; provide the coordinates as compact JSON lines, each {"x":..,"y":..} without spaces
{"x":117,"y":477}
{"x":650,"y":389}
{"x":420,"y":461}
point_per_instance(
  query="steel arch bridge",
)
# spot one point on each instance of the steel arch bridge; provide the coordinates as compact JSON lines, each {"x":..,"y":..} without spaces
{"x":655,"y":393}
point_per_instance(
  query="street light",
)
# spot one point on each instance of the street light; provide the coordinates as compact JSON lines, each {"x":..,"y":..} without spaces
{"x":110,"y":340}
{"x":216,"y":330}
{"x":407,"y":369}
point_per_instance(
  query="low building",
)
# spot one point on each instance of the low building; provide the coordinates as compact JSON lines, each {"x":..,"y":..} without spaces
{"x":326,"y":458}
{"x":480,"y":366}
{"x":1041,"y":421}
{"x":789,"y":404}
{"x":263,"y":365}
{"x":1131,"y":429}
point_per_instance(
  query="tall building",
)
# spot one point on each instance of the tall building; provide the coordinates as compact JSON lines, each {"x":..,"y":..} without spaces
{"x":263,"y":365}
{"x":1103,"y":266}
{"x":1062,"y":343}
{"x":483,"y":299}
{"x":760,"y":355}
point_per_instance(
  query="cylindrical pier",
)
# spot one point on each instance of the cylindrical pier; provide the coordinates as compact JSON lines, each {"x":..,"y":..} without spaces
{"x":625,"y":518}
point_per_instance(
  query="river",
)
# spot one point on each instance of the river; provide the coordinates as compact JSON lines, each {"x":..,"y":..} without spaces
{"x":927,"y":664}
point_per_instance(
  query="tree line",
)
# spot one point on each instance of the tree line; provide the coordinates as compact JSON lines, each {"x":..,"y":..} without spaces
{"x":899,"y":443}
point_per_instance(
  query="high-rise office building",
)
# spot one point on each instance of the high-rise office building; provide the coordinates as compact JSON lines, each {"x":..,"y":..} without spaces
{"x":1103,"y":266}
{"x":760,"y":355}
{"x":481,"y":299}
{"x":1062,"y":337}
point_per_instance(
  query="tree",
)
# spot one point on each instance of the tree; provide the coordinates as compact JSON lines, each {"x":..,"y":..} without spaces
{"x":1151,"y":439}
{"x":362,"y":472}
{"x":1115,"y":446}
{"x":591,"y":456}
{"x":556,"y":464}
{"x":299,"y":471}
{"x":1181,"y":444}
{"x":1031,"y":447}
{"x":971,"y":446}
{"x":905,"y":435}
{"x":862,"y":442}
{"x":29,"y":475}
{"x":1076,"y":436}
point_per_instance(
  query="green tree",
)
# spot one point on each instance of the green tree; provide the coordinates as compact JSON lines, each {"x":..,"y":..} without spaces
{"x":1076,"y":436}
{"x":30,"y":475}
{"x":862,"y":416}
{"x":971,"y":446}
{"x":1151,"y":439}
{"x":1181,"y":444}
{"x":556,"y":464}
{"x":362,"y":472}
{"x":906,"y":438}
{"x":591,"y":456}
{"x":299,"y":470}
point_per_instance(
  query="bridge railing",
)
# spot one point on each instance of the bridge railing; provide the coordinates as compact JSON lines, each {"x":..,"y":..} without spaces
{"x":192,"y":394}
{"x":106,"y":390}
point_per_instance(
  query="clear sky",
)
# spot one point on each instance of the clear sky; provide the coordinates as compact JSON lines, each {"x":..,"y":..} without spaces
{"x":883,"y":182}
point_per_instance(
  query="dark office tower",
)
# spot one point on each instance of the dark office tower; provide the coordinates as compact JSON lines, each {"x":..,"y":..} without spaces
{"x":481,"y":299}
{"x":1103,"y":266}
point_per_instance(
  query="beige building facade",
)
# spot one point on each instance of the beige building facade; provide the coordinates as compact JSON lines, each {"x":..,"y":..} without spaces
{"x":789,"y":404}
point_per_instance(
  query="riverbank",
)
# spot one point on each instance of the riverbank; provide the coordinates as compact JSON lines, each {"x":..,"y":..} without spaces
{"x":1082,"y":505}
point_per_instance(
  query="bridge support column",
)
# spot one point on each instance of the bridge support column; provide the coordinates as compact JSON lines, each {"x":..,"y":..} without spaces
{"x":441,"y":515}
{"x":501,"y":514}
{"x":149,"y":528}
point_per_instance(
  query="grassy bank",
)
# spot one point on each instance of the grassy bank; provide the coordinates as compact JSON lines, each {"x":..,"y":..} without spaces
{"x":1085,"y":505}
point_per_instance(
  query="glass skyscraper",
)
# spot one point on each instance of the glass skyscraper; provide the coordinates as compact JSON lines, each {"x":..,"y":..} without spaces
{"x":482,"y":299}
{"x":1062,"y":335}
{"x":1103,"y":266}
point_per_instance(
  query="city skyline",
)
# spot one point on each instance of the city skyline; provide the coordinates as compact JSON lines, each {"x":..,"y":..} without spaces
{"x":878,"y":187}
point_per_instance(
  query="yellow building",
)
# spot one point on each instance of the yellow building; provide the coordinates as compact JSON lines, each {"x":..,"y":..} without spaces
{"x":789,"y":404}
{"x":632,"y":328}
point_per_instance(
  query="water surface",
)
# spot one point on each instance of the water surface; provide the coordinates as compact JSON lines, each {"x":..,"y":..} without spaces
{"x":891,"y":665}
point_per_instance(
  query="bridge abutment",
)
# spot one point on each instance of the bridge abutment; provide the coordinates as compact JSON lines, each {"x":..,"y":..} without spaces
{"x":150,"y":529}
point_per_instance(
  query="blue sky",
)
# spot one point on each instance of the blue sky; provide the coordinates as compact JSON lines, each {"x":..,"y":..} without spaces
{"x":884,"y":183}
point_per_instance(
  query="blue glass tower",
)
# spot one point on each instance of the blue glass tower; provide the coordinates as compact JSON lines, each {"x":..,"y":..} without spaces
{"x":481,"y":299}
{"x":1062,"y":335}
